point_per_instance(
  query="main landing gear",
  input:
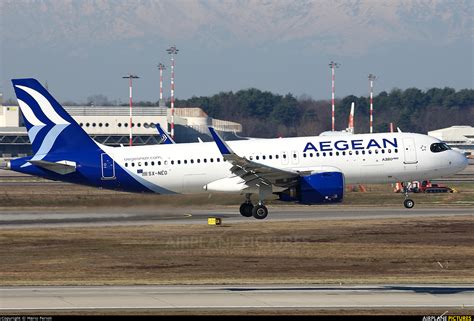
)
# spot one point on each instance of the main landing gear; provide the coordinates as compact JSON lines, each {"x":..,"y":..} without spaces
{"x":258,"y":211}
{"x":408,"y":202}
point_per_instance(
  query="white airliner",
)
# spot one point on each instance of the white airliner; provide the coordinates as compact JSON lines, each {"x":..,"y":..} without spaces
{"x":307,"y":170}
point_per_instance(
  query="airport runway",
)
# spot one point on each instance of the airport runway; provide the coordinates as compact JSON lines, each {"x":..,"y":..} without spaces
{"x":140,"y":216}
{"x":237,"y":297}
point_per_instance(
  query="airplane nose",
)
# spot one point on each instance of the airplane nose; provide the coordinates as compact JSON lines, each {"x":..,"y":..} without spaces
{"x":463,"y":161}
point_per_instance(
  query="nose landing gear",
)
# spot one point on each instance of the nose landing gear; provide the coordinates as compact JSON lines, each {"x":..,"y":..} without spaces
{"x":408,"y":202}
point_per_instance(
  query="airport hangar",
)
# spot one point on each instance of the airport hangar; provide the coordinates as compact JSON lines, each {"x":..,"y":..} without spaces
{"x":109,"y":125}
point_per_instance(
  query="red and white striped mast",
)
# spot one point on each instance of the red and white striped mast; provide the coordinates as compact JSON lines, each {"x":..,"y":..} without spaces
{"x":130,"y":77}
{"x":371,"y":80}
{"x":172,"y":51}
{"x":333,"y":65}
{"x":161,"y":67}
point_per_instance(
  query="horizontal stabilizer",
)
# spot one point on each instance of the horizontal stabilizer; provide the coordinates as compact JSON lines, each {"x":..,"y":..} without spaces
{"x":61,"y":167}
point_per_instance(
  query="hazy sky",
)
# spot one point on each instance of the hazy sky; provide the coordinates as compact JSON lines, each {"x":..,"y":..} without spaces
{"x":82,"y":48}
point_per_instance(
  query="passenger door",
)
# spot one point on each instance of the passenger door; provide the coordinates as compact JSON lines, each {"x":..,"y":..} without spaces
{"x":107,"y":167}
{"x":409,"y":151}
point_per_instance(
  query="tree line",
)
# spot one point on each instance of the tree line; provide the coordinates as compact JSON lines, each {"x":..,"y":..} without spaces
{"x":264,"y":114}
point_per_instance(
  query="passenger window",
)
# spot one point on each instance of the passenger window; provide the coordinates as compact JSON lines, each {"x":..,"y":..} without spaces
{"x":172,"y":162}
{"x":159,"y":162}
{"x":146,"y":163}
{"x":126,"y":164}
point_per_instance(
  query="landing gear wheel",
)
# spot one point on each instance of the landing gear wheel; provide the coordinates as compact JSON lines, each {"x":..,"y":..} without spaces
{"x":246,"y":209}
{"x":409,"y":203}
{"x":259,"y":212}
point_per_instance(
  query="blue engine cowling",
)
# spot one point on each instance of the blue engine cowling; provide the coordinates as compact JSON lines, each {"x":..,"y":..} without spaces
{"x":318,"y":188}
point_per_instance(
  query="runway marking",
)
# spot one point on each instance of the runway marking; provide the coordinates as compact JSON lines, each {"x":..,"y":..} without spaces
{"x":356,"y":306}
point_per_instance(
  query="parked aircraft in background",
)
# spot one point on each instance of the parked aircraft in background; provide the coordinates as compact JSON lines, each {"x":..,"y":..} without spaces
{"x":165,"y":138}
{"x":307,"y":170}
{"x":350,"y":126}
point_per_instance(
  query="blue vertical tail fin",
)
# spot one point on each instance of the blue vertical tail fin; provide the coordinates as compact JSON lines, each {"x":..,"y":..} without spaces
{"x":51,"y":129}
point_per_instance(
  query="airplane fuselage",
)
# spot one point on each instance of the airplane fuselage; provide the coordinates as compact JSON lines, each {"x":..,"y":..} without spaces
{"x":363,"y":158}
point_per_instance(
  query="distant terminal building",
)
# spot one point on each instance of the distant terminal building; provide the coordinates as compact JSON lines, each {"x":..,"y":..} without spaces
{"x":109,"y":125}
{"x":461,"y":137}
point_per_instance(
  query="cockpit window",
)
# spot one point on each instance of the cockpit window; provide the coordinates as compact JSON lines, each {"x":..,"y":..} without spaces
{"x":439,"y":147}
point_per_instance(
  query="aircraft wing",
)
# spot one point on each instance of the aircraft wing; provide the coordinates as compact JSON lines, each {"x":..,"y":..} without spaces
{"x":251,"y":171}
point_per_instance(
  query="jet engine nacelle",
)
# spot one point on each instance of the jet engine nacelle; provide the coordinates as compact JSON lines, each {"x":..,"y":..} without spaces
{"x":327,"y":187}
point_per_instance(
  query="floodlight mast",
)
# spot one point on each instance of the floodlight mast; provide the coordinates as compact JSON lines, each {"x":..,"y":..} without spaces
{"x":333,"y":65}
{"x":172,"y":51}
{"x":130,"y":77}
{"x":161,"y":67}
{"x":371,"y":82}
